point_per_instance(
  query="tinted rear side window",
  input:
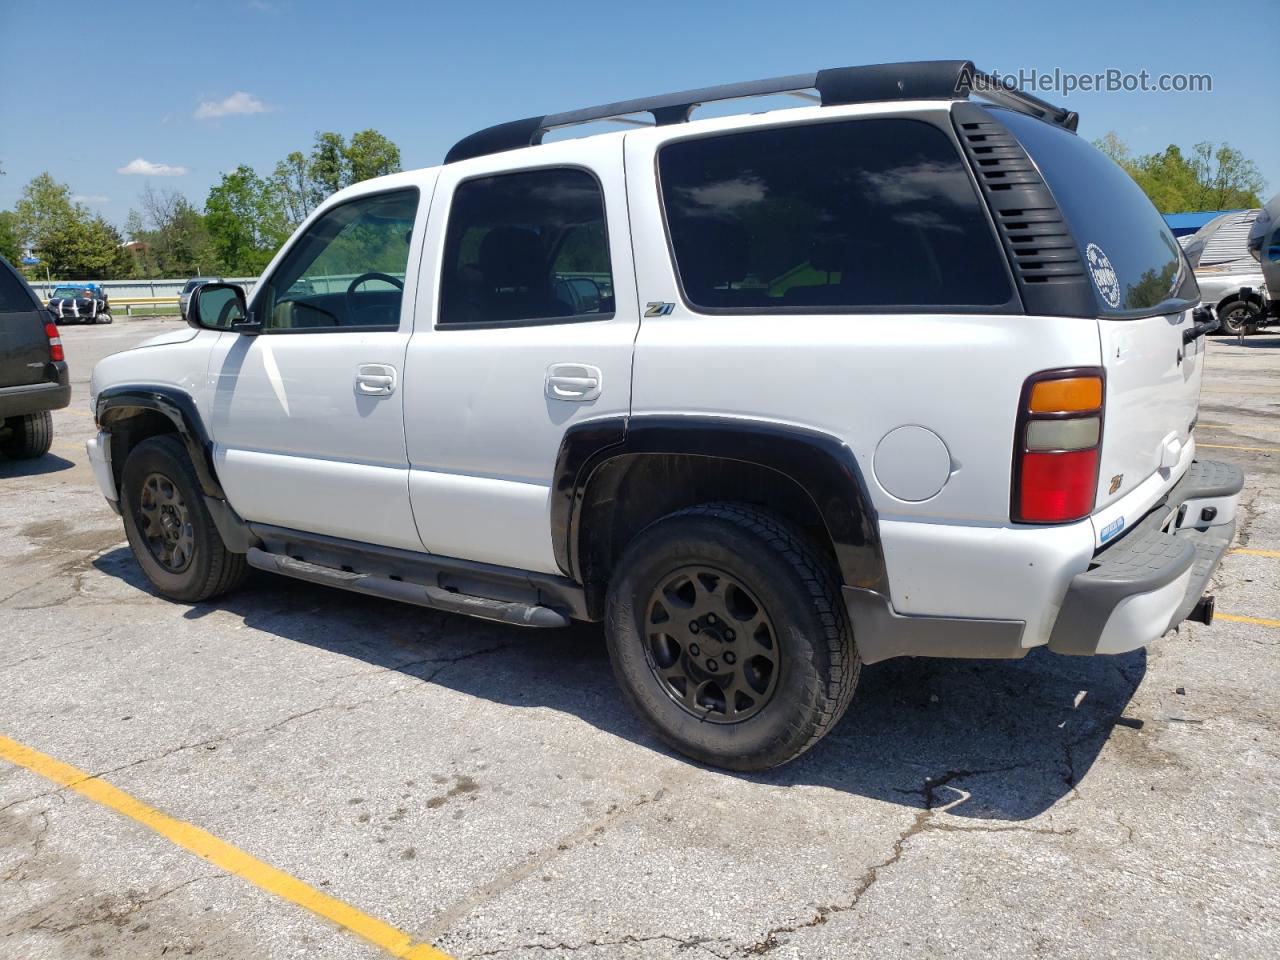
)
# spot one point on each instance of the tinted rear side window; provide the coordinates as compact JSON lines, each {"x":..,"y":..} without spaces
{"x":530,"y":246}
{"x":14,"y":297}
{"x":844,"y":216}
{"x":1110,"y":217}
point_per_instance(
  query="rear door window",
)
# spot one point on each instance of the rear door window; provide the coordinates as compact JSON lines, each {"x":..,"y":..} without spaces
{"x":846,"y":216}
{"x":1125,"y":244}
{"x":527,"y":247}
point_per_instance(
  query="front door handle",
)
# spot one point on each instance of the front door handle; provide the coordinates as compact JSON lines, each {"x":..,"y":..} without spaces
{"x":375,"y":379}
{"x":573,"y":381}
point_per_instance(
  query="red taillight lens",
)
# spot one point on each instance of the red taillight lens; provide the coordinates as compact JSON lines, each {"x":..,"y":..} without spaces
{"x":1057,"y":446}
{"x":55,"y":341}
{"x":1058,"y":486}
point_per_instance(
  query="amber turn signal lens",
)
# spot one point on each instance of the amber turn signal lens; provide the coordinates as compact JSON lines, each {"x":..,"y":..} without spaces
{"x":1067,"y":395}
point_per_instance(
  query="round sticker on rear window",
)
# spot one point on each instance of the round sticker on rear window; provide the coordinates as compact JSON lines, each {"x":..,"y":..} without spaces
{"x":1104,"y":275}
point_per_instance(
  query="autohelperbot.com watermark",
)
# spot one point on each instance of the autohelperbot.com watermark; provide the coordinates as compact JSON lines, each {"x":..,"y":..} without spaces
{"x":1112,"y":80}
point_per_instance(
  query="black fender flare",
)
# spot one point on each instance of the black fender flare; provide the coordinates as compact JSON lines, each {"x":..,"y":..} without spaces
{"x":821,"y":464}
{"x":116,"y":405}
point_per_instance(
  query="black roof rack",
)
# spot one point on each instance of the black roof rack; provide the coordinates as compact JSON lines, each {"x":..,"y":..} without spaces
{"x":921,"y":80}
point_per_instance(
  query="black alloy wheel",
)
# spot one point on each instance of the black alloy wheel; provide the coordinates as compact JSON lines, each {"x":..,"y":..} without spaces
{"x":165,"y":523}
{"x":711,"y":645}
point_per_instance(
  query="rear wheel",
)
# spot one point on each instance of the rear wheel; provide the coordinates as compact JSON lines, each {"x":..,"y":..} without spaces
{"x":31,"y":436}
{"x":727,"y":635}
{"x":170,"y":531}
{"x":1236,"y":315}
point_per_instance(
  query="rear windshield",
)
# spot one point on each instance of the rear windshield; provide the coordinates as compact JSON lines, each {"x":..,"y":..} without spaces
{"x":70,"y":293}
{"x":1130,"y":253}
{"x":845,"y":216}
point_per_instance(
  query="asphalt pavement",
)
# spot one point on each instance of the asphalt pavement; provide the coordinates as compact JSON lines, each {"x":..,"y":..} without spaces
{"x":485,"y":791}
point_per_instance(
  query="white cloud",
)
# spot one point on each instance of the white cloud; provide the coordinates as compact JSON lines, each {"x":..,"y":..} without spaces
{"x":90,"y":198}
{"x":145,"y":168}
{"x":238,"y":102}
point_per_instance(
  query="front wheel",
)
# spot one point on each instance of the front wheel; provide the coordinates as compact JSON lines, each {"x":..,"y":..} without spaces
{"x":1236,"y":315}
{"x":170,"y":531}
{"x":728,"y":636}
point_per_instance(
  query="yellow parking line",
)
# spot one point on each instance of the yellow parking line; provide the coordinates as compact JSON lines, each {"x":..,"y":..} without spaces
{"x":1231,"y":446}
{"x":1260,"y":621}
{"x":1257,"y":553}
{"x":1233,"y":426}
{"x":220,"y":854}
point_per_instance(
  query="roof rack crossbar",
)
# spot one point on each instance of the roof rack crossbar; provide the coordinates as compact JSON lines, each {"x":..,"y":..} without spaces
{"x":922,"y":80}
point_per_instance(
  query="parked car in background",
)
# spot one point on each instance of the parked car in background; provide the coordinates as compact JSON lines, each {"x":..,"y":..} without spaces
{"x":86,"y":302}
{"x":33,"y":371}
{"x":1230,"y":279}
{"x":1264,"y":247}
{"x":184,"y":298}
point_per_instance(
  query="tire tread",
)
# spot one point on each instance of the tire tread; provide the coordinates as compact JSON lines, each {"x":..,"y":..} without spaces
{"x":32,"y":436}
{"x":226,"y":569}
{"x":832,"y":655}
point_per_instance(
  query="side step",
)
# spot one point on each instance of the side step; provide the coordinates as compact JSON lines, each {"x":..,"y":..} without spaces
{"x":503,"y":611}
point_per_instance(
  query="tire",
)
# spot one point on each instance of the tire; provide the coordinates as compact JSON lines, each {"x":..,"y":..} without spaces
{"x":1235,"y":314}
{"x":32,"y":436}
{"x":767,"y":575}
{"x":179,"y":549}
{"x":105,"y":318}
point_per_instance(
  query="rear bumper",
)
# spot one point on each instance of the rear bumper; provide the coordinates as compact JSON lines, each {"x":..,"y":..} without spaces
{"x":35,"y":397}
{"x":1148,"y":581}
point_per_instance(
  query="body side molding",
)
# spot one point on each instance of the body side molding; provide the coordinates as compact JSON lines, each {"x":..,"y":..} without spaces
{"x":821,"y":464}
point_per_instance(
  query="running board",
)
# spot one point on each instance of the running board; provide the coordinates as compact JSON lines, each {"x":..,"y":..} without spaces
{"x":503,"y":611}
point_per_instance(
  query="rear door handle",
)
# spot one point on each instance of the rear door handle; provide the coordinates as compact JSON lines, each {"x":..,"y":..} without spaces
{"x":578,"y":382}
{"x":375,"y":379}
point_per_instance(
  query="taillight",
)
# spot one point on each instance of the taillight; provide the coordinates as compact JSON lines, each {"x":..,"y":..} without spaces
{"x":1057,"y":446}
{"x":55,"y":341}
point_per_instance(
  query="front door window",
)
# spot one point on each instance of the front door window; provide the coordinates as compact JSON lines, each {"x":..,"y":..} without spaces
{"x":347,"y":270}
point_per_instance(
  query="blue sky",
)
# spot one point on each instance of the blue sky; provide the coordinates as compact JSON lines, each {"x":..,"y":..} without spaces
{"x":91,"y":88}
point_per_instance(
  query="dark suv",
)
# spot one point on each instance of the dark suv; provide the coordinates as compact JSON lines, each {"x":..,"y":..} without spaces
{"x":33,"y":371}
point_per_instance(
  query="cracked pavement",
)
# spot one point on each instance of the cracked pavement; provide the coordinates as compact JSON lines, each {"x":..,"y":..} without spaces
{"x":485,"y":789}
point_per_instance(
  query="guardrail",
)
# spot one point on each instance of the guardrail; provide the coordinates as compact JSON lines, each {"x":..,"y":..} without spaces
{"x":129,"y":289}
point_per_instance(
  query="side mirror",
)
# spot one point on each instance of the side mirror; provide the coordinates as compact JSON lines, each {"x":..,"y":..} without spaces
{"x":220,"y":306}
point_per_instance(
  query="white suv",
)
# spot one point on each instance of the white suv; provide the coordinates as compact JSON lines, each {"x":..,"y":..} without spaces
{"x":896,"y":373}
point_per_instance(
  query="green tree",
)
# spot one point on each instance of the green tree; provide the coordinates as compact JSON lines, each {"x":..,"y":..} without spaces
{"x":335,"y":164}
{"x":176,"y":238}
{"x":1226,"y":177}
{"x":89,"y":249}
{"x":328,"y":169}
{"x":370,"y":155}
{"x":44,"y":207}
{"x":292,"y":184}
{"x":247,"y":216}
{"x":10,"y":245}
{"x":1212,"y":178}
{"x":246,"y":221}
